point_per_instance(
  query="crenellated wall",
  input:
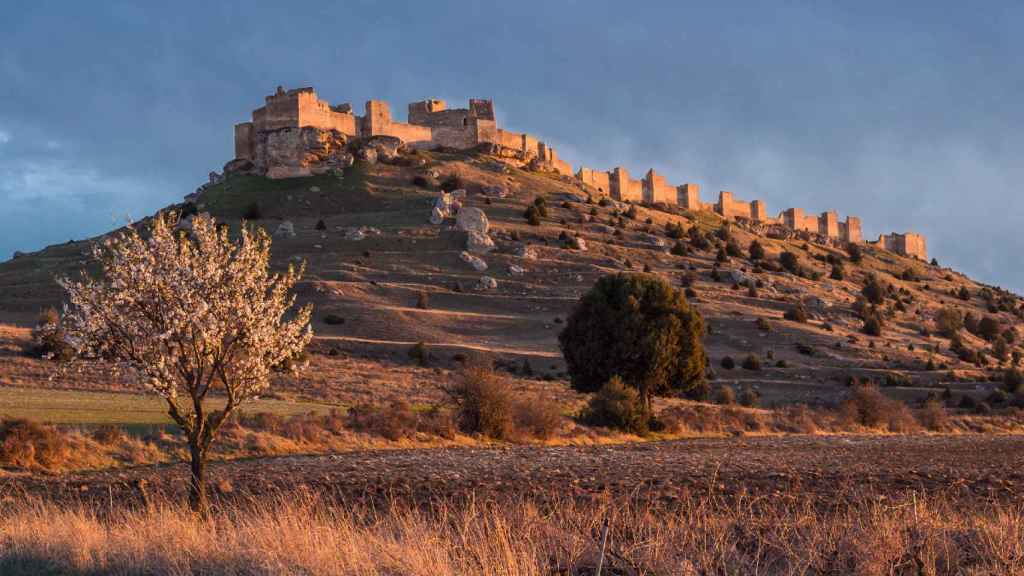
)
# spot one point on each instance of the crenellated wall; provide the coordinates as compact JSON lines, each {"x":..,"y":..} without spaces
{"x":431,"y":124}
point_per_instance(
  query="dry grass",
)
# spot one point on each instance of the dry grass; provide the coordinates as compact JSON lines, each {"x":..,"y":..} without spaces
{"x":302,"y":534}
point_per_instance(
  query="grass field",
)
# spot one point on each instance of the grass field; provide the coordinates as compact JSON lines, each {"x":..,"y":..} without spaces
{"x":77,"y":407}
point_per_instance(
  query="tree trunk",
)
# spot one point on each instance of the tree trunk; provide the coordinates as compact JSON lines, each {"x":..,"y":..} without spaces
{"x":197,"y":486}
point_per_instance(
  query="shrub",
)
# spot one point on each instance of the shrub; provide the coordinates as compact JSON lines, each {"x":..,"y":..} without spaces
{"x":989,"y":328}
{"x":964,"y":294}
{"x":796,"y":314}
{"x":790,"y":262}
{"x":483,"y":402}
{"x":763,"y":325}
{"x":933,"y":416}
{"x":733,"y":249}
{"x":616,"y":405}
{"x":868,"y":407}
{"x":26,"y":444}
{"x":948,"y":322}
{"x":721,"y":256}
{"x":756,"y":250}
{"x":873,"y":324}
{"x":537,"y":417}
{"x":452,"y":182}
{"x":728,"y":363}
{"x":1013,"y":380}
{"x":855,"y":252}
{"x":752,"y":289}
{"x":419,"y":353}
{"x":420,"y":181}
{"x":48,"y":337}
{"x":874,"y":291}
{"x":333,"y":319}
{"x":697,"y":239}
{"x":679,"y":249}
{"x":320,"y":225}
{"x":395,"y":421}
{"x":638,"y":327}
{"x":532,"y":215}
{"x":749,"y":397}
{"x":837,"y":272}
{"x":252,"y":212}
{"x":725,"y":395}
{"x":751,"y":362}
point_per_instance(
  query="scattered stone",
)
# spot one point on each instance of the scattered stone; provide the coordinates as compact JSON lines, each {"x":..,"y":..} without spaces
{"x":285,"y":230}
{"x":479,"y":243}
{"x":486,"y":283}
{"x":603,"y":229}
{"x":472,"y":219}
{"x":495,"y":191}
{"x":368,"y":155}
{"x":526,"y":252}
{"x":516,"y":270}
{"x":314,"y":189}
{"x":581,"y":244}
{"x":477,"y":263}
{"x":652,"y":240}
{"x":459,"y":194}
{"x":355,"y":234}
{"x":738,"y":277}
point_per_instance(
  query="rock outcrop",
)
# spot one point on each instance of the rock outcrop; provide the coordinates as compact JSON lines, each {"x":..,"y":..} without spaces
{"x":472,"y":219}
{"x":293,"y":152}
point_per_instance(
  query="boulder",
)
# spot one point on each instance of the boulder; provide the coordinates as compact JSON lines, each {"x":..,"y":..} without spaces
{"x":437,"y":215}
{"x":367,"y":155}
{"x":477,"y":263}
{"x":479,"y":243}
{"x":652,"y":240}
{"x":472,"y":219}
{"x":486,"y":283}
{"x":516,"y":270}
{"x":285,"y":230}
{"x":385,"y":147}
{"x":526,"y":252}
{"x":294,"y":152}
{"x":602,"y":228}
{"x":581,"y":244}
{"x":239,"y":166}
{"x":459,"y":194}
{"x":738,"y":277}
{"x":495,"y":191}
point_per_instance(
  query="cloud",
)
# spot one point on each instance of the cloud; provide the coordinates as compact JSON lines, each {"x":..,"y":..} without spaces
{"x":5,"y":137}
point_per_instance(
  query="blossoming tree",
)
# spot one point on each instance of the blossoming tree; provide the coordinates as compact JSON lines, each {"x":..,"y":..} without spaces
{"x":196,"y":315}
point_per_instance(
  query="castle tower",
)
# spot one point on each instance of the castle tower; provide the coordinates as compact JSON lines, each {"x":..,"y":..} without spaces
{"x":758,"y":212}
{"x":828,"y":224}
{"x":688,"y":196}
{"x":377,"y":119}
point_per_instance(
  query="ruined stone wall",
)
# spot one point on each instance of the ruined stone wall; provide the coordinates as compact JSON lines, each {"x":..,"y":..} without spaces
{"x":244,"y":141}
{"x":688,"y":196}
{"x":828,"y":224}
{"x":624,"y":188}
{"x":657,"y":189}
{"x":729,"y":207}
{"x":378,"y":122}
{"x":512,"y":140}
{"x":850,"y":230}
{"x":794,"y":218}
{"x":595,"y":178}
{"x":909,"y":244}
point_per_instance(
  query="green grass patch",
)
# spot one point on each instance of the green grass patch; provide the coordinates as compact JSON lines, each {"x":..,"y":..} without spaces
{"x":79,"y":407}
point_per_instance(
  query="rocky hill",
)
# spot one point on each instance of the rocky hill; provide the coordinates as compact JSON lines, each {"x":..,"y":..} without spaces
{"x":393,"y":261}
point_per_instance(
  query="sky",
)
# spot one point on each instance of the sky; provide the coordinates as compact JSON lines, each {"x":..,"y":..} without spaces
{"x":906,"y":114}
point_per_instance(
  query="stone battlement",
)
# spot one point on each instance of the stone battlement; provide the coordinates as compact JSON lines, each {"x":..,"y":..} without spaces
{"x":432,"y":124}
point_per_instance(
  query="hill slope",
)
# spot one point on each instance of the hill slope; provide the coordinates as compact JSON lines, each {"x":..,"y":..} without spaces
{"x":373,"y":280}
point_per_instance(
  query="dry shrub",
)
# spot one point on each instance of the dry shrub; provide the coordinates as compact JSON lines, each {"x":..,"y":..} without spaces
{"x":394,"y":421}
{"x":933,"y":416}
{"x":868,"y":407}
{"x":618,"y":406}
{"x":26,"y":444}
{"x":799,"y":419}
{"x":538,"y":417}
{"x":109,"y":435}
{"x":483,"y":400}
{"x":726,"y":395}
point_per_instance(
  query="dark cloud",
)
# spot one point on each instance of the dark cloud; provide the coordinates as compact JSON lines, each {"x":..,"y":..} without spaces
{"x":904,"y":115}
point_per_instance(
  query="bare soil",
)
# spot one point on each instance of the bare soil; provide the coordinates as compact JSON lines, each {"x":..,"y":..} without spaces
{"x":964,"y":467}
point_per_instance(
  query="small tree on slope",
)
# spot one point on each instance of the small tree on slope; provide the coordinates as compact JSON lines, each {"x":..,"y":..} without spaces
{"x":640,"y":328}
{"x":193,"y":316}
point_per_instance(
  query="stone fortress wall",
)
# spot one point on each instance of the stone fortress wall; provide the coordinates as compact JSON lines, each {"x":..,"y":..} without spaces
{"x":431,"y":124}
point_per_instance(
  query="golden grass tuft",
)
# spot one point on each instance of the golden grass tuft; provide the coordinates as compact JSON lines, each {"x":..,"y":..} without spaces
{"x":304,"y":534}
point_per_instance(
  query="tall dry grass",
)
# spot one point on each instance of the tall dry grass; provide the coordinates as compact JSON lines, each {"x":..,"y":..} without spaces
{"x":700,"y":535}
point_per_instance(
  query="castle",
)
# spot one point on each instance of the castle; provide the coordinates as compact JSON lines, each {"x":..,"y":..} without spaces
{"x":431,"y":124}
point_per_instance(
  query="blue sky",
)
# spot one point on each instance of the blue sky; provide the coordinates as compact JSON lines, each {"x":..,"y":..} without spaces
{"x":905,"y":115}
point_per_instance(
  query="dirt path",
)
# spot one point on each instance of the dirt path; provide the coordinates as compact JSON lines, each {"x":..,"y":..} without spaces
{"x":966,"y":466}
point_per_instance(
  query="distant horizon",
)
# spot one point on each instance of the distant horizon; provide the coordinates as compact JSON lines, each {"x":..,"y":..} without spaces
{"x":902,"y":116}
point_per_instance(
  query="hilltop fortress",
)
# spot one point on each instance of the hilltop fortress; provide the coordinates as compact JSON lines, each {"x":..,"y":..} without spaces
{"x":295,"y":133}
